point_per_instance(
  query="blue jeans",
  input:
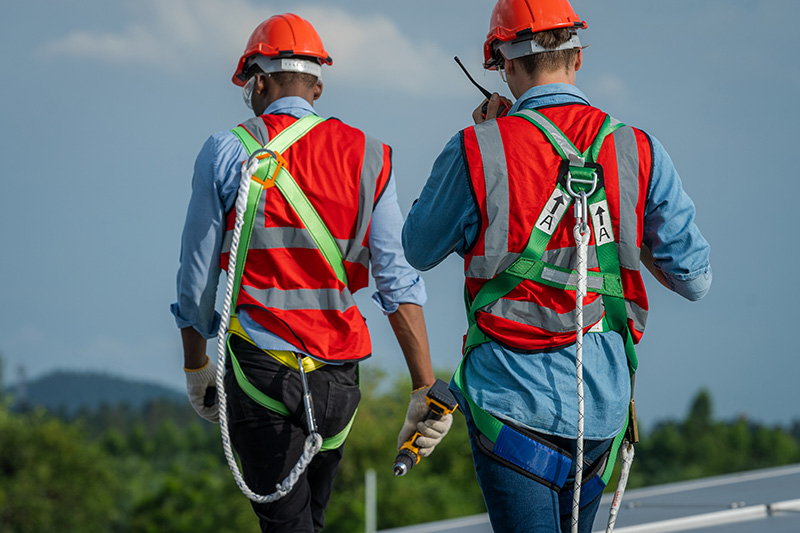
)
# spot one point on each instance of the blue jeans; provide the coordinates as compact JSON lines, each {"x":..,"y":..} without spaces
{"x":517,"y":503}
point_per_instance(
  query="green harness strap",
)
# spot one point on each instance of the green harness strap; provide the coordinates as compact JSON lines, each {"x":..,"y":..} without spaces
{"x":529,"y":266}
{"x":268,"y":168}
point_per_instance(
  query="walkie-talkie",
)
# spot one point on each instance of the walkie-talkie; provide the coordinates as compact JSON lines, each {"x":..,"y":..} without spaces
{"x":502,"y":110}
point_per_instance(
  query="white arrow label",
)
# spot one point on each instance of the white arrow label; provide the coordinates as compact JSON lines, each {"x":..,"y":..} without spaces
{"x":552,"y":212}
{"x":601,"y":223}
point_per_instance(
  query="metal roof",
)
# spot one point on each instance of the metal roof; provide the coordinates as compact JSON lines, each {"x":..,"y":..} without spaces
{"x":765,"y":501}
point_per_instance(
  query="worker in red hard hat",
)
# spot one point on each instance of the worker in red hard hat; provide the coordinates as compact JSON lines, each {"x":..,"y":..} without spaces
{"x":324,"y":212}
{"x":521,"y":197}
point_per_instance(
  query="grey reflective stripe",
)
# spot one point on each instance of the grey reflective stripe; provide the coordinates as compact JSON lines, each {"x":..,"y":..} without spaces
{"x":495,"y":256}
{"x":542,"y":317}
{"x":257,"y":129}
{"x":628,"y":170}
{"x":481,"y":267}
{"x":302,"y":299}
{"x":270,"y":238}
{"x":562,"y":141}
{"x":370,"y":170}
{"x":495,"y":175}
{"x":565,"y":278}
{"x":567,"y":257}
{"x":637,"y":314}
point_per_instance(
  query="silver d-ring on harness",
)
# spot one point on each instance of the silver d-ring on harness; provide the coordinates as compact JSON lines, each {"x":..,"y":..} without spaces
{"x":581,"y":205}
{"x":571,"y":180}
{"x":258,"y":152}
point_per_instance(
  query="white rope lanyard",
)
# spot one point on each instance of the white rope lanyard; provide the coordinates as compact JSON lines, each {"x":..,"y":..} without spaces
{"x":313,"y":442}
{"x":582,"y":234}
{"x":626,"y":455}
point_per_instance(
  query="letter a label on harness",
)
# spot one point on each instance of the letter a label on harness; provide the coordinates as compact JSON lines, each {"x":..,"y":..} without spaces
{"x":552,"y":212}
{"x":601,"y":223}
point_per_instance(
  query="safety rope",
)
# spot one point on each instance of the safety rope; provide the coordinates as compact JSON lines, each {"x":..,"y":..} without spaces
{"x":313,"y":442}
{"x":626,"y":455}
{"x":582,"y":234}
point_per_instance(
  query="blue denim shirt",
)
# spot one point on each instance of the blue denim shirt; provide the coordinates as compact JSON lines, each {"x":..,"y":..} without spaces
{"x":217,"y":173}
{"x":539,"y":390}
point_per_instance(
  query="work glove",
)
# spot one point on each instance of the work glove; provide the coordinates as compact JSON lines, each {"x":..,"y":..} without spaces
{"x":431,"y":431}
{"x":198,"y":381}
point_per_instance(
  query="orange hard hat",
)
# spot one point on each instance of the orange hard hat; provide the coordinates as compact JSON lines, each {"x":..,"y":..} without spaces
{"x":283,"y":36}
{"x":518,"y":20}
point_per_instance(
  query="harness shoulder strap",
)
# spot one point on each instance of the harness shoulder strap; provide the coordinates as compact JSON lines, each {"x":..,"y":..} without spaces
{"x":272,"y":169}
{"x":529,"y":265}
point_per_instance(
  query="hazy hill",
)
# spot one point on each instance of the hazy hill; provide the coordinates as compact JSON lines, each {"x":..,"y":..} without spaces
{"x":68,"y":392}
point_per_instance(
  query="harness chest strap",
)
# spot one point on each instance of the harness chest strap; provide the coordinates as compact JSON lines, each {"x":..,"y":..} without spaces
{"x":536,"y":458}
{"x":273,"y":171}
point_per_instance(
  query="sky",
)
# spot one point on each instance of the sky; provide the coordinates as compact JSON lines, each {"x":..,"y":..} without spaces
{"x":106,"y":104}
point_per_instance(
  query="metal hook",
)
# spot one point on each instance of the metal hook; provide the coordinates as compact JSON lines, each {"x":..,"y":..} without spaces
{"x":312,"y":424}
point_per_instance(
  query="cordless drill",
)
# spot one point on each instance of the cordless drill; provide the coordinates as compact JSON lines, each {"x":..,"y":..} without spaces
{"x":441,"y":402}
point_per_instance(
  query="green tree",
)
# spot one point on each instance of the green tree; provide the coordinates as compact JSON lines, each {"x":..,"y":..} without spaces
{"x":52,"y":479}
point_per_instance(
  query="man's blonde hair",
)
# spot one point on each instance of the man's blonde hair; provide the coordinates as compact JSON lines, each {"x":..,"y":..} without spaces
{"x":550,"y":61}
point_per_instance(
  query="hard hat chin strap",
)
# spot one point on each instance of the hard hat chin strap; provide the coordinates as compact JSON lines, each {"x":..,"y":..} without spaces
{"x":515,"y":49}
{"x":287,"y":64}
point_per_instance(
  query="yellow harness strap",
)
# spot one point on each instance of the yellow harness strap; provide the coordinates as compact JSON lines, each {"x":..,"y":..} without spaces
{"x":284,"y":357}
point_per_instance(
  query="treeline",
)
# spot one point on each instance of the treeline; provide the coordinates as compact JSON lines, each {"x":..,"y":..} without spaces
{"x":161,"y":468}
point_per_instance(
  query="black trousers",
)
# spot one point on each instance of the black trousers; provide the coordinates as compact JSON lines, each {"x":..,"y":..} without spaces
{"x":269,"y":444}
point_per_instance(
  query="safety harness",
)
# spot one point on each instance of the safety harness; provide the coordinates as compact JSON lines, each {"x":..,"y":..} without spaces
{"x":579,"y":177}
{"x":266,"y":168}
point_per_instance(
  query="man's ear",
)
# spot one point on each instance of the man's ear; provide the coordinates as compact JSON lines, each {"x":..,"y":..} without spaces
{"x":261,"y":83}
{"x":318,"y":90}
{"x":578,"y":59}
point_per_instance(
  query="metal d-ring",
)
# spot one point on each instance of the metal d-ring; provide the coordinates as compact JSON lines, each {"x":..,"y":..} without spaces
{"x":570,"y":181}
{"x":260,"y":151}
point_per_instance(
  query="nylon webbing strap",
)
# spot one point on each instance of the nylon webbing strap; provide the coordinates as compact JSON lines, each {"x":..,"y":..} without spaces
{"x":330,"y":443}
{"x":299,"y":202}
{"x":532,"y":456}
{"x":530,"y":267}
{"x":291,"y":192}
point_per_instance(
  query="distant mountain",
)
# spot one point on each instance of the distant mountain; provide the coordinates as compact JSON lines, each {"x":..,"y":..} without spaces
{"x":68,"y":392}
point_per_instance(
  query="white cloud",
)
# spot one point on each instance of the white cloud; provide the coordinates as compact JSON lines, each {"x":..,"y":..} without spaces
{"x":187,"y":35}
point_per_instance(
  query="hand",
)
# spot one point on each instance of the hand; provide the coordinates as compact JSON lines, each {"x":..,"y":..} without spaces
{"x":497,"y":106}
{"x":198,"y":381}
{"x":431,"y":431}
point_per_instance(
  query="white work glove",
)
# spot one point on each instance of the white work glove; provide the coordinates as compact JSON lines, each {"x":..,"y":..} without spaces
{"x":431,"y":431}
{"x":197,"y":381}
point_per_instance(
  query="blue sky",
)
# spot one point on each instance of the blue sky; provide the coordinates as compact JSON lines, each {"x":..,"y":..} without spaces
{"x":105,"y":105}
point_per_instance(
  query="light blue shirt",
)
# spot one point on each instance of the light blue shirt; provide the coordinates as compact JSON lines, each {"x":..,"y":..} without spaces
{"x":217,"y":173}
{"x":538,"y":390}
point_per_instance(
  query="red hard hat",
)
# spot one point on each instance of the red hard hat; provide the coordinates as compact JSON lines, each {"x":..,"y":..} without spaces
{"x":517,"y":19}
{"x":286,"y":35}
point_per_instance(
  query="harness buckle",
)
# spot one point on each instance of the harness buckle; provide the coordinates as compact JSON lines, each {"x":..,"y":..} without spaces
{"x":264,"y":153}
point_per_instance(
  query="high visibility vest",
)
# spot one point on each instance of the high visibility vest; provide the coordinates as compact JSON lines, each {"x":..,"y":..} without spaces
{"x":514,"y":169}
{"x":287,"y":285}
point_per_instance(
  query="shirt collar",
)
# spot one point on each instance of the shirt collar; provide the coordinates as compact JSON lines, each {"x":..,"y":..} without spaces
{"x":290,"y":105}
{"x":550,"y":94}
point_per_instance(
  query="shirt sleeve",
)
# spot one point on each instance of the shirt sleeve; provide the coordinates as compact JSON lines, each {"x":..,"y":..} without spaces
{"x":214,"y":186}
{"x":444,"y":219}
{"x":397,"y":282}
{"x":670,"y":232}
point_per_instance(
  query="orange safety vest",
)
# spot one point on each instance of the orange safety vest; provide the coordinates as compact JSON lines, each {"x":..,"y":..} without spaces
{"x":287,"y":285}
{"x":513,"y":170}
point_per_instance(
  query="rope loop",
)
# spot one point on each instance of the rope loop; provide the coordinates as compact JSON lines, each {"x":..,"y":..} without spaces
{"x":313,"y":442}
